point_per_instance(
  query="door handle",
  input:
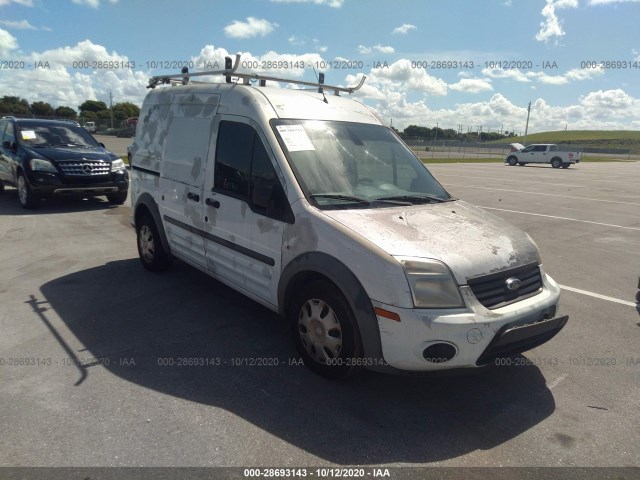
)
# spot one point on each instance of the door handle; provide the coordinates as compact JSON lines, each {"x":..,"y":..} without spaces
{"x":212,"y":203}
{"x":193,"y":196}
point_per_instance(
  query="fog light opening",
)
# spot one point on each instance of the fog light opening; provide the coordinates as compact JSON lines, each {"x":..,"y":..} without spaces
{"x":439,"y":353}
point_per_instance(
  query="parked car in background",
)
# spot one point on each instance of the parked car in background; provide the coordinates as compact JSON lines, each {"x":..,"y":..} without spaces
{"x":44,"y":158}
{"x":90,"y":127}
{"x":541,"y":153}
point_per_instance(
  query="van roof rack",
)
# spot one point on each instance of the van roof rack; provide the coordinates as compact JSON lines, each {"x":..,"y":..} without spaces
{"x":229,"y":71}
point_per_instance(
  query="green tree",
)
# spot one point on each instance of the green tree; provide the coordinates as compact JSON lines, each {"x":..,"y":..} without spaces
{"x":92,"y":109}
{"x":42,"y":109}
{"x":66,"y":112}
{"x":14,"y":106}
{"x":124,"y":110}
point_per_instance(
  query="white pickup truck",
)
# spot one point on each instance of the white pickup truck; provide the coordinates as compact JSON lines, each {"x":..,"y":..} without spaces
{"x":541,"y":153}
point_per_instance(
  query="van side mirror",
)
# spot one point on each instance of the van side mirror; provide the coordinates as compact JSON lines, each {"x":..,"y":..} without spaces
{"x":10,"y":145}
{"x":102,"y":145}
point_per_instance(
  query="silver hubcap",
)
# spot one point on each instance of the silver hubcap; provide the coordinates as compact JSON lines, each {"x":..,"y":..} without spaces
{"x":23,"y":193}
{"x":146,"y":243}
{"x":319,"y":331}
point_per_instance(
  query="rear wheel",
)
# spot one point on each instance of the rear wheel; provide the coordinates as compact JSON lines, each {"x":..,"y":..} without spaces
{"x":512,"y":161}
{"x":325,"y":331}
{"x":150,"y":249}
{"x":26,"y":197}
{"x":556,"y":162}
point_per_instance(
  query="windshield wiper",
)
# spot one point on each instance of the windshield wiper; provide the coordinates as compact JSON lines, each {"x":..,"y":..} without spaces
{"x":422,"y":198}
{"x":337,"y":196}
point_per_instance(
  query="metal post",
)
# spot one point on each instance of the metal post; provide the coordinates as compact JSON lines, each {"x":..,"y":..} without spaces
{"x":526,"y":128}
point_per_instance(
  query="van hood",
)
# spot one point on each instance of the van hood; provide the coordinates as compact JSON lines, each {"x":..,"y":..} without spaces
{"x":72,"y":153}
{"x":469,"y":240}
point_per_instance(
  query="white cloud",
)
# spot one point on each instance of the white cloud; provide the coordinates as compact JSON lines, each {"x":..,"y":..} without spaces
{"x":88,"y":3}
{"x":573,"y":75}
{"x":404,"y":29}
{"x":516,"y":75}
{"x":609,"y":2}
{"x":609,"y":100}
{"x":472,"y":85}
{"x":7,"y":42}
{"x":253,"y":27}
{"x":551,"y":27}
{"x":18,"y":24}
{"x":330,"y":3}
{"x":24,"y":3}
{"x":363,"y":50}
{"x":401,"y":76}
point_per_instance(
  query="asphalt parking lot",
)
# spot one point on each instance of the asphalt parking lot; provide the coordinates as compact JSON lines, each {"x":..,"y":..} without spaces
{"x":96,"y":334}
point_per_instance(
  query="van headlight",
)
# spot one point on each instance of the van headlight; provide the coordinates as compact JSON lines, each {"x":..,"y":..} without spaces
{"x":431,"y":282}
{"x":117,"y":164}
{"x":41,"y":165}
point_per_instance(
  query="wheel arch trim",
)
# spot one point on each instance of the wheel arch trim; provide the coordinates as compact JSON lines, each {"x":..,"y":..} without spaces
{"x":322,"y":264}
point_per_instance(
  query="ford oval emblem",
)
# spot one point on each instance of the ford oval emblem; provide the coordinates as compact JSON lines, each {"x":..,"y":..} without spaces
{"x":513,"y":283}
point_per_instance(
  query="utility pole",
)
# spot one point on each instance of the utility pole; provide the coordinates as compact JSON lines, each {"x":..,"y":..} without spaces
{"x":111,"y":107}
{"x":526,"y":128}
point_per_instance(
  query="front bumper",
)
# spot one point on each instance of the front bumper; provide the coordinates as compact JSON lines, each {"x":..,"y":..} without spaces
{"x":46,"y":184}
{"x":473,"y":336}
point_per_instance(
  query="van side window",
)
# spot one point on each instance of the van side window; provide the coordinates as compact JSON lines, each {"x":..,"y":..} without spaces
{"x":233,"y":159}
{"x":244,"y":170}
{"x":3,"y":126}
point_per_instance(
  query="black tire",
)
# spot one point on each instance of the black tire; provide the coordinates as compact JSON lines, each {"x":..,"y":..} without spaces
{"x":117,"y":198}
{"x":522,"y":164}
{"x":566,"y":165}
{"x":26,"y":197}
{"x":556,"y":162}
{"x":150,"y":249}
{"x":324,"y":330}
{"x":513,"y":161}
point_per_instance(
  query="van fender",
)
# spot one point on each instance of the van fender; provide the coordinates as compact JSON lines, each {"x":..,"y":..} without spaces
{"x":314,"y":264}
{"x":146,"y":203}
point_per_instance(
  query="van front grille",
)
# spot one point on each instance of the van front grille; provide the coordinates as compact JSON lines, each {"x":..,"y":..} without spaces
{"x":493,"y":291}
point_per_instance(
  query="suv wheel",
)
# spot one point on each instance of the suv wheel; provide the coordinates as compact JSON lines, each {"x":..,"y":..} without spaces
{"x":512,"y":161}
{"x":117,"y":198}
{"x":26,"y":197}
{"x":325,"y":331}
{"x":150,"y":250}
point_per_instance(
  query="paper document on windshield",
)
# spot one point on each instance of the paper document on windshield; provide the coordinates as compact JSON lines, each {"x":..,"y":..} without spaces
{"x":295,"y":138}
{"x":28,"y":134}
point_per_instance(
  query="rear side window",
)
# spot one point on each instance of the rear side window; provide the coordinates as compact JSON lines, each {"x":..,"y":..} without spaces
{"x":244,"y":170}
{"x":3,"y":126}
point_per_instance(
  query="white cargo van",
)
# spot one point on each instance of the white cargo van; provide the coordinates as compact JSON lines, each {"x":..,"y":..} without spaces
{"x":304,"y":202}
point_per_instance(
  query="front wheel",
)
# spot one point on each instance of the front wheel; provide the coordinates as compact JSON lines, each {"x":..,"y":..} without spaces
{"x":26,"y":197}
{"x":150,"y":249}
{"x":325,"y":330}
{"x":513,"y":161}
{"x":117,"y":198}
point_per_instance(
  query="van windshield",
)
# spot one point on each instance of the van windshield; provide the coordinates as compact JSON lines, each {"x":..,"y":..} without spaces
{"x":352,"y":165}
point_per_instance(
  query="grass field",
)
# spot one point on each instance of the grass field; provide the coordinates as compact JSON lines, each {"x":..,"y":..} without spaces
{"x":624,"y":139}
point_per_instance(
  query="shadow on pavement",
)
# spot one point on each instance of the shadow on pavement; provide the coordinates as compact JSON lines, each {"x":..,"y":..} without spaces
{"x":120,"y":311}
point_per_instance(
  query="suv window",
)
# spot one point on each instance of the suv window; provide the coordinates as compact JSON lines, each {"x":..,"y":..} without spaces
{"x":244,"y":170}
{"x":9,"y":133}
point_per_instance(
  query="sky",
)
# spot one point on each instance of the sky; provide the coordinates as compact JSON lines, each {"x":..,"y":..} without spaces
{"x":461,"y":64}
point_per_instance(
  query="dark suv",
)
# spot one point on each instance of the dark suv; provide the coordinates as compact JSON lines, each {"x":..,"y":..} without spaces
{"x":43,"y":158}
